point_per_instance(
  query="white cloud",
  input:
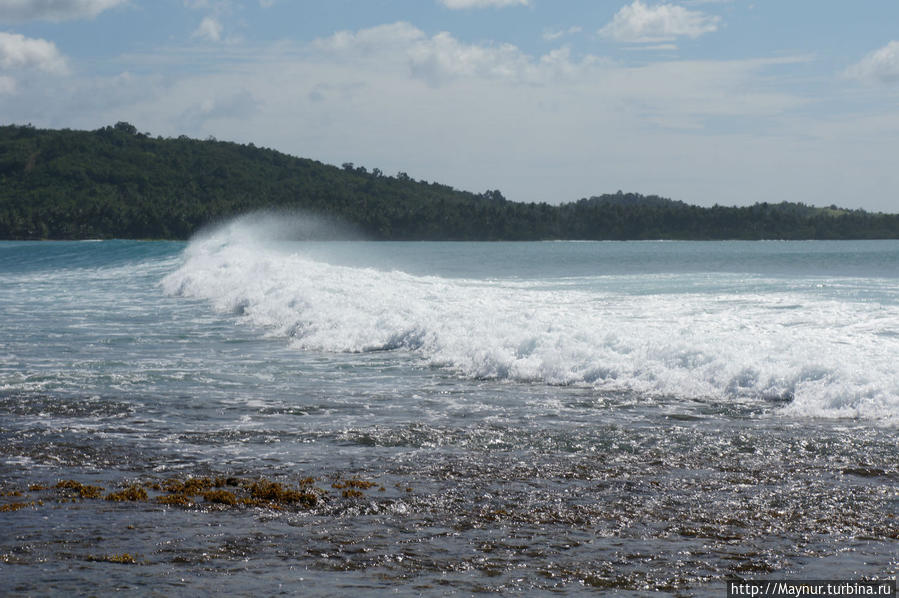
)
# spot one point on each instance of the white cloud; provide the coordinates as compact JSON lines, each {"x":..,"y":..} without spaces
{"x":375,"y":39}
{"x":682,"y":94}
{"x":880,"y":66}
{"x":442,"y":58}
{"x":669,"y":93}
{"x":640,"y":23}
{"x":465,"y":4}
{"x":210,"y":29}
{"x":555,"y":34}
{"x":239,"y":105}
{"x":652,"y":48}
{"x":553,"y":126}
{"x":53,"y":10}
{"x":20,"y":52}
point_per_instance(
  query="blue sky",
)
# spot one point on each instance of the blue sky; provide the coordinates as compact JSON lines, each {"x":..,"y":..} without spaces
{"x":705,"y":101}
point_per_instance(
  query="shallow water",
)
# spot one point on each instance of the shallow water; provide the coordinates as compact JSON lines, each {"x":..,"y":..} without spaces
{"x":533,"y":417}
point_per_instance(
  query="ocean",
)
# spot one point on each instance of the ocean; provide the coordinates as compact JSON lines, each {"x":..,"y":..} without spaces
{"x":257,"y":415}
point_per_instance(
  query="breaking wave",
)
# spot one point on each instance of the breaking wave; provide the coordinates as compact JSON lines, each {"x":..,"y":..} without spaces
{"x":809,"y":353}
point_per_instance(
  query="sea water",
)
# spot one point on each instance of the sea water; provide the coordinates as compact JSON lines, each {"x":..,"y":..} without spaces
{"x":526,"y":417}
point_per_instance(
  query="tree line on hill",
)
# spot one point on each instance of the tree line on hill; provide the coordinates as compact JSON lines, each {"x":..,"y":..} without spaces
{"x":116,"y":182}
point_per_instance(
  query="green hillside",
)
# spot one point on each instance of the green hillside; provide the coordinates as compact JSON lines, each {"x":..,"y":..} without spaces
{"x":117,"y":182}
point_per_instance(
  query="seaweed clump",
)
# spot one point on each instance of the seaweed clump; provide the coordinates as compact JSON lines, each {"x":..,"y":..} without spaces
{"x":71,"y":487}
{"x":132,"y":493}
{"x":353,"y":483}
{"x":182,"y":493}
{"x":256,"y":493}
{"x":272,"y":494}
{"x":353,"y":487}
{"x":188,"y":487}
{"x":220,"y":497}
{"x":219,"y":492}
{"x":122,"y":559}
{"x":179,"y":500}
{"x":15,"y":506}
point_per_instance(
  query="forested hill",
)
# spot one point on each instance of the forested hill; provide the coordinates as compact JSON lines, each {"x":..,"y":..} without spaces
{"x":118,"y":182}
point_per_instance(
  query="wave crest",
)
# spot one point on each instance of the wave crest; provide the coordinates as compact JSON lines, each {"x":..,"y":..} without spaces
{"x":817,"y":359}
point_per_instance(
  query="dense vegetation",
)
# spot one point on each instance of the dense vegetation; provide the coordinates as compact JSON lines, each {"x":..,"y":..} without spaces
{"x":117,"y":182}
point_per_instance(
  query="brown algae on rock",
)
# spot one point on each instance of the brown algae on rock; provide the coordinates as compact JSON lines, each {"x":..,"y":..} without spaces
{"x":188,"y":487}
{"x":132,"y":493}
{"x":222,"y":497}
{"x":354,"y":483}
{"x":122,"y":559}
{"x":249,"y":493}
{"x":77,"y":488}
{"x":15,"y":506}
{"x":203,"y":491}
{"x":276,"y":494}
{"x":353,"y":487}
{"x":180,"y":500}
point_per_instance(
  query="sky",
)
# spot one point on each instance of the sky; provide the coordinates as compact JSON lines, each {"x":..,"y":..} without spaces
{"x":728,"y":102}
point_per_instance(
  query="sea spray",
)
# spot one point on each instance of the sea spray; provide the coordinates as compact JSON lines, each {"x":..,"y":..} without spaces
{"x":801,"y":349}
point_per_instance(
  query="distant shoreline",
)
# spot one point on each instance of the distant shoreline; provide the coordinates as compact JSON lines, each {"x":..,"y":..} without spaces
{"x":118,"y":183}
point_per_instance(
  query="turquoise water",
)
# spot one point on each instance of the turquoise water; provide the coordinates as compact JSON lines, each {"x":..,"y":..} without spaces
{"x":542,"y":417}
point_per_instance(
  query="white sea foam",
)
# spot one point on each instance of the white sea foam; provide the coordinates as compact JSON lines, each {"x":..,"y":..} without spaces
{"x":817,"y":355}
